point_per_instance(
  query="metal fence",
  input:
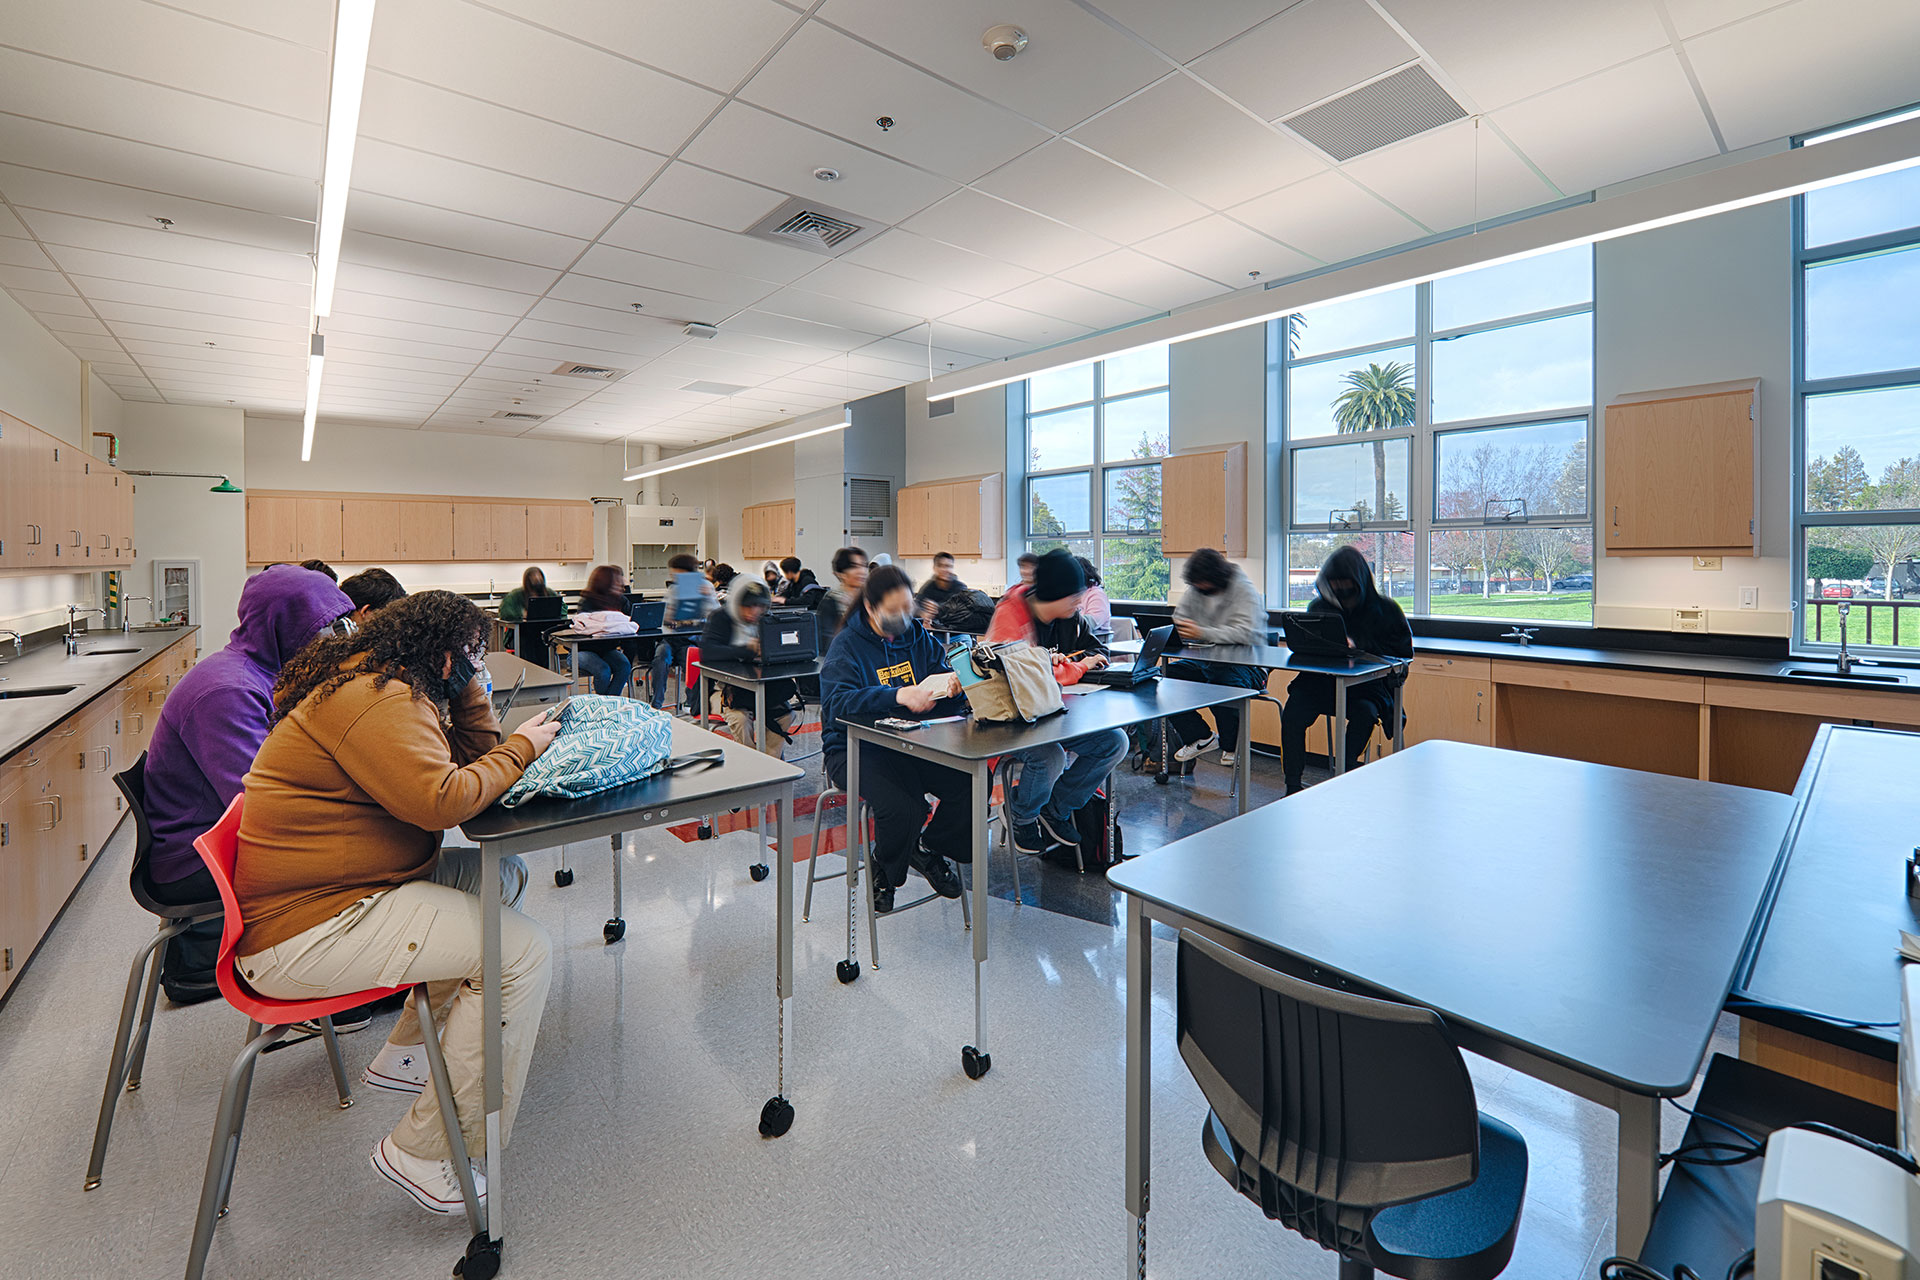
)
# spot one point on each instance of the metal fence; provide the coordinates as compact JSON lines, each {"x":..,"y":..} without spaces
{"x":1824,"y":621}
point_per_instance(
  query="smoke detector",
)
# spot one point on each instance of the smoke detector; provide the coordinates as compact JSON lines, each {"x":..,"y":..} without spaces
{"x":826,"y":174}
{"x":1004,"y":42}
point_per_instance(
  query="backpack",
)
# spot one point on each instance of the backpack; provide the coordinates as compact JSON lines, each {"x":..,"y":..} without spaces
{"x":1090,"y":820}
{"x":604,"y":742}
{"x":970,"y":611}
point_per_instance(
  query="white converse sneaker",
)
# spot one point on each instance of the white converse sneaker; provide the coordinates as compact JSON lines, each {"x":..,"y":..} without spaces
{"x":1226,"y":759}
{"x":430,"y":1182}
{"x":1194,"y":750}
{"x":398,"y":1068}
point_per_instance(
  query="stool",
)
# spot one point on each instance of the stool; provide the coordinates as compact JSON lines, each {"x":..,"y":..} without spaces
{"x":267,"y":1021}
{"x":849,"y":969}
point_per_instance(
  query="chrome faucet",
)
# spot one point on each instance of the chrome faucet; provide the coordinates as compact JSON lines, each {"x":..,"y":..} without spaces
{"x":1521,"y":635}
{"x":126,"y":614}
{"x":13,"y":636}
{"x":1843,"y":663}
{"x":73,"y":637}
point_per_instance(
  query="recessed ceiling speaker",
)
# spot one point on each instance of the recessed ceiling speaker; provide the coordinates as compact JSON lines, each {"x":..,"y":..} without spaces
{"x":1004,"y":42}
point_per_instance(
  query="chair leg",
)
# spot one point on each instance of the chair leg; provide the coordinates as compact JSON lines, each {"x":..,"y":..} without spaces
{"x":339,"y":1067}
{"x":143,"y":1032}
{"x":449,"y":1114}
{"x":145,"y":973}
{"x":858,"y":813}
{"x":221,"y":1152}
{"x":813,"y":851}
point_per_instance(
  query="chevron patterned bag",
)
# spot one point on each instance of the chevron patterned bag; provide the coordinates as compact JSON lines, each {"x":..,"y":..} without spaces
{"x":603,"y":742}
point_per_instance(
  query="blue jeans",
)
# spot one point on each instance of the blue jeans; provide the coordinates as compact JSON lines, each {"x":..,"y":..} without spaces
{"x":610,"y":670}
{"x":1045,"y":782}
{"x":1188,"y":726}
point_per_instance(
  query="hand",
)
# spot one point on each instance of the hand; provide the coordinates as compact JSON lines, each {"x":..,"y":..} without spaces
{"x":754,"y":644}
{"x":1188,"y":628}
{"x":1096,"y":661}
{"x":540,"y":732}
{"x":917,"y":698}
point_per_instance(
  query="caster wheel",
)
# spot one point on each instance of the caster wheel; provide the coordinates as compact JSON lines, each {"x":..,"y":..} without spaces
{"x":975,"y":1063}
{"x":705,"y":832}
{"x":1160,"y":778}
{"x":482,"y":1261}
{"x":563,"y":877}
{"x":776,"y":1117}
{"x":758,"y":871}
{"x":615,"y":930}
{"x":847,"y":970}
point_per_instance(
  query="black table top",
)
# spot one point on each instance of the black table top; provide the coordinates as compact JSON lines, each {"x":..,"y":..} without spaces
{"x":1829,"y":940}
{"x":744,"y":767}
{"x":1588,"y":914}
{"x":581,"y":637}
{"x":763,"y":673}
{"x":1280,"y":658}
{"x":1086,"y":713}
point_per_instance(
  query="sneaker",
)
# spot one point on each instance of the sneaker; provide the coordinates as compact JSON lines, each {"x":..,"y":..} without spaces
{"x":431,"y":1183}
{"x":399,"y":1068}
{"x":1060,"y":830}
{"x":1194,"y":750}
{"x":882,"y":894}
{"x":358,"y":1018}
{"x":1029,"y":838}
{"x":1226,"y":759}
{"x":1295,"y":787}
{"x":938,"y":871}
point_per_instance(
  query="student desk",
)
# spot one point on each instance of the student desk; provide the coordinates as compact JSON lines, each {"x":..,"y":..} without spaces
{"x":542,"y":687}
{"x":753,"y":677}
{"x":1577,"y":922}
{"x":971,"y":749}
{"x":744,"y":777}
{"x":572,"y":640}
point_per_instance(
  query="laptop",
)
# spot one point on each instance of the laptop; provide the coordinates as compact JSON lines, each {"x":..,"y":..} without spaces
{"x":1320,"y":636}
{"x":546,"y":608}
{"x":648,"y":614}
{"x":1145,"y":666}
{"x":788,"y":635}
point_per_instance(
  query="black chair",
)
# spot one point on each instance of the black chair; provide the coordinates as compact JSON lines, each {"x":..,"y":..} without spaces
{"x":123,"y":1068}
{"x":1348,"y":1119}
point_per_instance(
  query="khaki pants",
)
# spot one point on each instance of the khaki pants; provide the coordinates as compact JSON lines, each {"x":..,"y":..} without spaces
{"x":429,"y":931}
{"x":740,"y":725}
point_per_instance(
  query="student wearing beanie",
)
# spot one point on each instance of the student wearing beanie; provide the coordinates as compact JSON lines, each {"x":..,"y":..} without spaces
{"x":1048,"y":790}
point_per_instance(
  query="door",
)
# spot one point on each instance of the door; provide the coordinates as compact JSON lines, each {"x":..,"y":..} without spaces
{"x":271,"y":535}
{"x":317,"y":529}
{"x":509,"y":524}
{"x":426,"y":530}
{"x":119,"y":492}
{"x":472,"y":531}
{"x":98,"y":512}
{"x":1448,"y":699}
{"x":939,"y":522}
{"x":544,"y":533}
{"x":1679,"y":475}
{"x":19,"y":885}
{"x":576,"y":532}
{"x":369,"y":530}
{"x":68,"y":491}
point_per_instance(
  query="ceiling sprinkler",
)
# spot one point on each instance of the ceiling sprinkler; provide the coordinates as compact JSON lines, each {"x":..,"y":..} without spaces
{"x":1004,"y":42}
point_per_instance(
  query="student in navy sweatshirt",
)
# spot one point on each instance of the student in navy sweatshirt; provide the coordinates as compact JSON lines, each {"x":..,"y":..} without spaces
{"x":884,"y":663}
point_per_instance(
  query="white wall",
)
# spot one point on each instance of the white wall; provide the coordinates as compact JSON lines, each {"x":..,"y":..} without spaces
{"x":724,"y":488}
{"x":1219,"y":396}
{"x":178,"y":519}
{"x":970,"y":441}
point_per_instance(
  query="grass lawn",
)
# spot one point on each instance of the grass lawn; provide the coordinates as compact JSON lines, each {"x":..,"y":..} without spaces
{"x":1538,"y":606}
{"x":1857,"y":624}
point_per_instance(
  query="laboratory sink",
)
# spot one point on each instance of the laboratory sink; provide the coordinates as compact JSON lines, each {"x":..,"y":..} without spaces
{"x":101,"y":653}
{"x":52,"y":691}
{"x":1828,"y":673}
{"x":160,"y":626}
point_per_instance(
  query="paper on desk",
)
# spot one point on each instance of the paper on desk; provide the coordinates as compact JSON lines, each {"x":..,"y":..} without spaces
{"x":1074,"y":690}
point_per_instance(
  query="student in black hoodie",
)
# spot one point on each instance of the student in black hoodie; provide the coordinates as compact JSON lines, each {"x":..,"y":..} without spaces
{"x":884,"y":663}
{"x":1374,"y":625}
{"x":732,"y":634}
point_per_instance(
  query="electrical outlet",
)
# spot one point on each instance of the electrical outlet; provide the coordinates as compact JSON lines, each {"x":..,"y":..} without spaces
{"x":1707,"y":562}
{"x":1692,"y":620}
{"x":1749,"y":597}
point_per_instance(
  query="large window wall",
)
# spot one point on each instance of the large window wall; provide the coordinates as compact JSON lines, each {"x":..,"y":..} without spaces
{"x":1445,"y":430}
{"x":1095,"y":436}
{"x":1857,"y":413}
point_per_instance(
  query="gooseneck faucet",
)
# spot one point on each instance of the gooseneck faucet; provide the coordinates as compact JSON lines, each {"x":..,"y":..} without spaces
{"x":1521,"y":635}
{"x":73,"y":637}
{"x":126,"y":614}
{"x":13,"y":636}
{"x":1843,"y":663}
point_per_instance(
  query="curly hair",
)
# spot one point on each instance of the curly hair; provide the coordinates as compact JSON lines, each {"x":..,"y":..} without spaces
{"x":408,"y":641}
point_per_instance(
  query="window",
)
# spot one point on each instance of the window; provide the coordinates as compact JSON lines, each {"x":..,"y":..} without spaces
{"x":1095,"y":436}
{"x":1856,"y":525}
{"x":1445,"y":430}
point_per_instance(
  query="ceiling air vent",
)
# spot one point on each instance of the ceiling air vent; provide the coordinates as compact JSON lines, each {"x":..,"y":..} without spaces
{"x":574,"y":370}
{"x":1405,"y":103}
{"x":715,"y":388}
{"x":808,"y":224}
{"x":515,"y":415}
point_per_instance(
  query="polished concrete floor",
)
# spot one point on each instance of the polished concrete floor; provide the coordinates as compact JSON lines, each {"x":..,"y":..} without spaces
{"x":636,"y":1154}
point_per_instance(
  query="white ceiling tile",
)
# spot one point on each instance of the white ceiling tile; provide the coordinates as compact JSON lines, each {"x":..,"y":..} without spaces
{"x":972,"y":220}
{"x":1691,"y":17}
{"x":800,"y":332}
{"x":469,"y":233}
{"x":1840,"y":67}
{"x":1053,"y":297}
{"x":1181,"y":133}
{"x":1499,"y":51}
{"x":38,"y":279}
{"x":636,"y":343}
{"x":349,"y":303}
{"x":306,"y":24}
{"x":1073,"y":65}
{"x":71,"y":325}
{"x":499,"y":59}
{"x":701,"y":195}
{"x":663,"y":236}
{"x":1624,"y":123}
{"x":1138,"y":278}
{"x":659,"y":305}
{"x":202,"y":325}
{"x":1329,"y":217}
{"x":918,"y":258}
{"x":749,"y":143}
{"x":16,"y":252}
{"x":138,"y":337}
{"x":969,"y":343}
{"x":453,"y":184}
{"x":1184,"y":32}
{"x":1310,"y":51}
{"x":1012,"y":322}
{"x":1082,"y":189}
{"x":1222,"y":250}
{"x":715,"y":42}
{"x":133,"y":207}
{"x":408,"y":285}
{"x":447,"y":264}
{"x":94,"y":268}
{"x":59,"y":232}
{"x":42,"y":145}
{"x":100,"y":289}
{"x":849,"y":280}
{"x":721,"y":290}
{"x":802,"y":304}
{"x":582,"y":315}
{"x":51,"y":304}
{"x":407,"y":330}
{"x":10,"y":225}
{"x":1452,"y":175}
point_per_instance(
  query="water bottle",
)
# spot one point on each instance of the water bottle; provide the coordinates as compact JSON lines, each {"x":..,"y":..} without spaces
{"x":485,"y":677}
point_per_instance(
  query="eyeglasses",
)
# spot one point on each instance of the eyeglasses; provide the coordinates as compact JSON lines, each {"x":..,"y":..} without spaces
{"x":343,"y":626}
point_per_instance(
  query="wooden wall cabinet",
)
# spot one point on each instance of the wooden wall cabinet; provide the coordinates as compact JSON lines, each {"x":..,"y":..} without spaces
{"x":507,"y":526}
{"x":559,"y":533}
{"x":369,"y":530}
{"x":60,"y":507}
{"x":767,"y":530}
{"x":426,"y":530}
{"x":1203,"y":502}
{"x":1449,"y":699}
{"x":271,"y":529}
{"x":1680,"y":475}
{"x":965,"y":516}
{"x":316,"y":529}
{"x":378,"y":529}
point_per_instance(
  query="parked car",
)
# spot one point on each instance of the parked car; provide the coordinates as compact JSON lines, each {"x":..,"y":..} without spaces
{"x":1836,"y":591}
{"x":1574,"y":582}
{"x":1877,"y":587}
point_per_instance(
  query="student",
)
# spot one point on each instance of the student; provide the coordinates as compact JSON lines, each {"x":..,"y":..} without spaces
{"x":1049,"y":791}
{"x":690,"y":598}
{"x":1374,"y":625}
{"x":321,"y":566}
{"x":732,"y":634}
{"x":722,"y":576}
{"x":807,"y":591}
{"x":770,"y":574}
{"x":1095,"y":606}
{"x":787,"y":590}
{"x":209,"y":730}
{"x":1027,"y":561}
{"x":605,"y":660}
{"x":384,"y":740}
{"x":884,"y":663}
{"x":372,"y":590}
{"x":850,"y":579}
{"x":513,"y":605}
{"x":935,"y":591}
{"x":1219,"y":606}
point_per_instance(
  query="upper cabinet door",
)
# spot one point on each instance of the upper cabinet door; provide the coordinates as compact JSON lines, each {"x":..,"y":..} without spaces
{"x":509,"y":526}
{"x":271,"y":536}
{"x":369,"y":530}
{"x":472,"y":531}
{"x":426,"y":530}
{"x":317,"y":528}
{"x":576,"y":532}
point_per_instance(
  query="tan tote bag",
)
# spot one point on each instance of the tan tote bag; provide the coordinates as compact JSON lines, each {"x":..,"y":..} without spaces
{"x":1016,"y":683}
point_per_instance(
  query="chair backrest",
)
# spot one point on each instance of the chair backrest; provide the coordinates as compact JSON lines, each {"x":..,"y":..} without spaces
{"x":1336,"y":1102}
{"x":218,"y":848}
{"x":693,"y":668}
{"x":132,"y":782}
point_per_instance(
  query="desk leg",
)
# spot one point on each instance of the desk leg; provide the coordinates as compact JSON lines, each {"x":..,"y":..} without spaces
{"x":1399,"y":719}
{"x":974,"y":1058}
{"x":705,"y":830}
{"x":616,"y":927}
{"x":849,"y":969}
{"x":1243,"y":759}
{"x":776,"y":1117}
{"x":1139,"y":1081}
{"x":492,"y":1240}
{"x":1639,"y":1171}
{"x":758,"y":869}
{"x":1339,"y":763}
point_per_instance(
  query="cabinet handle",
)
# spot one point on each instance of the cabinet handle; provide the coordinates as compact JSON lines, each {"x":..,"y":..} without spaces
{"x":1616,"y":516}
{"x":6,"y":834}
{"x":1476,"y":712}
{"x":6,"y":959}
{"x":53,"y":812}
{"x":83,"y":853}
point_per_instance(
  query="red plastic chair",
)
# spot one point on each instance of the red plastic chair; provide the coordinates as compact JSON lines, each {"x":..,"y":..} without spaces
{"x":702,"y":716}
{"x":270,"y":1019}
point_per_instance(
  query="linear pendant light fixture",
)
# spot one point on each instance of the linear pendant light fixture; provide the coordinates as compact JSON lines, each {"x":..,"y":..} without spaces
{"x":785,"y":433}
{"x":352,"y":37}
{"x":1845,"y":155}
{"x":316,"y":357}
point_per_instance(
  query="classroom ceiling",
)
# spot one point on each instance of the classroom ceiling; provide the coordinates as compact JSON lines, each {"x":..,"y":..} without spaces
{"x":528,"y":170}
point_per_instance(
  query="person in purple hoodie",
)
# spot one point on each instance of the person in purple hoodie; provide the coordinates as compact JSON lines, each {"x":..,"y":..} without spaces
{"x":209,"y":730}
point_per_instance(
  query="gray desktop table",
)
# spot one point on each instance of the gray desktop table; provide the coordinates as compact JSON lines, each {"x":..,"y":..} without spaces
{"x":572,"y":640}
{"x":744,"y":777}
{"x":971,"y":749}
{"x":754,"y":677}
{"x":1579,"y":923}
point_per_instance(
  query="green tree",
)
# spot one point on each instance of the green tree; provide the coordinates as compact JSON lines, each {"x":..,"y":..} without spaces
{"x":1888,"y":545}
{"x":1829,"y":561}
{"x":1135,"y":569}
{"x":1837,"y":483}
{"x":1377,"y":398}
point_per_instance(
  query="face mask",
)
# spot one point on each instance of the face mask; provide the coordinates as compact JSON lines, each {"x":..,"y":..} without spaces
{"x":460,"y":676}
{"x":895,"y":624}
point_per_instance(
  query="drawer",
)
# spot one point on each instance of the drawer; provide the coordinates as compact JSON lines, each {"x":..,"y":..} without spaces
{"x":1443,"y":665}
{"x":1658,"y":686}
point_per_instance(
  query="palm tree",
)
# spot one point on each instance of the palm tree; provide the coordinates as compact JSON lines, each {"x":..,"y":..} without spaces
{"x":1377,"y":398}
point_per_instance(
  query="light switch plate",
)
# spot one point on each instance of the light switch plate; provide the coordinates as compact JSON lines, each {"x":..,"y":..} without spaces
{"x":1749,"y":597}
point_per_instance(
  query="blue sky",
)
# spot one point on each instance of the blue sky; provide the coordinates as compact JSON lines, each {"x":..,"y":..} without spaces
{"x":1883,"y":426}
{"x":1334,"y":477}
